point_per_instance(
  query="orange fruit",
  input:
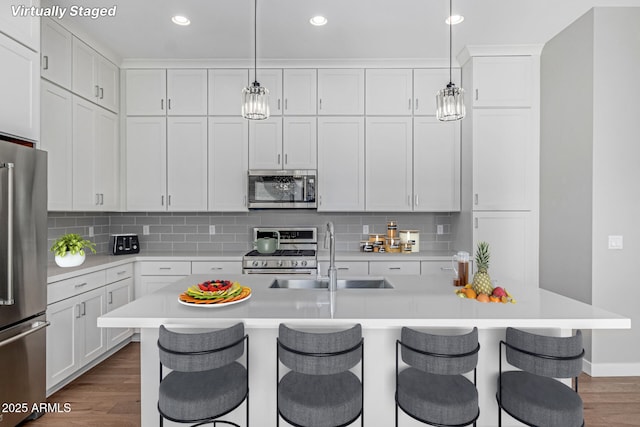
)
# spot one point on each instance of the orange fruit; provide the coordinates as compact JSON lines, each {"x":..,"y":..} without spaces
{"x":470,"y":293}
{"x":494,"y":299}
{"x":483,"y":298}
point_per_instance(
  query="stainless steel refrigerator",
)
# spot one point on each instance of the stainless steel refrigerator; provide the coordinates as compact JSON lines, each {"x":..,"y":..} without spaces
{"x":23,"y":280}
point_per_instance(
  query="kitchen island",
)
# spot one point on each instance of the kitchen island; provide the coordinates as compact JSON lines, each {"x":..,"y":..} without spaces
{"x":417,"y":301}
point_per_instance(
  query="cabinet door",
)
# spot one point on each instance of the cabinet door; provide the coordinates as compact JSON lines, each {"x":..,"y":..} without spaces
{"x":340,"y":164}
{"x":427,"y":83}
{"x":187,"y":163}
{"x":341,"y":92}
{"x":92,"y":340}
{"x":389,"y":268}
{"x":442,"y":271}
{"x":503,"y":81}
{"x":109,"y":84}
{"x":146,"y":92}
{"x":56,"y":53}
{"x":86,"y":197}
{"x":85,"y":70}
{"x":265,"y":143}
{"x":225,"y":91}
{"x":299,"y":143}
{"x":512,"y":246}
{"x":25,"y":29}
{"x":228,"y":163}
{"x":62,"y":359}
{"x":118,"y":294}
{"x":20,"y":89}
{"x":216,"y":267}
{"x":146,"y":157}
{"x":149,"y":284}
{"x":389,"y":92}
{"x":300,"y":92}
{"x":187,"y":92}
{"x":389,"y":164}
{"x":107,"y":162}
{"x":436,"y":165}
{"x":56,"y":140}
{"x":272,"y":80}
{"x":345,"y":268}
{"x":503,"y":159}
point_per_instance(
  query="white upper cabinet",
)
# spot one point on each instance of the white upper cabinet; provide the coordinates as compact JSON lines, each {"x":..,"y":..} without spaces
{"x":436,"y":165}
{"x":389,"y":92}
{"x":265,"y":144}
{"x":56,"y":53}
{"x":299,"y":143}
{"x":146,"y":145}
{"x":427,"y":82}
{"x":20,"y":89}
{"x":300,"y":92}
{"x":503,"y":159}
{"x":146,"y":92}
{"x":187,"y":164}
{"x":225,"y":91}
{"x":94,"y":77}
{"x":56,"y":138}
{"x":95,"y":157}
{"x":25,"y":29}
{"x":503,"y":81}
{"x":341,"y":171}
{"x":228,"y":163}
{"x":389,"y":184}
{"x":271,"y":79}
{"x":186,"y":92}
{"x":341,"y":92}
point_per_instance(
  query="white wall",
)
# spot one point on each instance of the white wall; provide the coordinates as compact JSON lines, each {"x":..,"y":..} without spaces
{"x":589,"y":153}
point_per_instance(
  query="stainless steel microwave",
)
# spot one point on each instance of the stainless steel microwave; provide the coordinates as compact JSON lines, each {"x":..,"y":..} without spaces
{"x":282,"y":189}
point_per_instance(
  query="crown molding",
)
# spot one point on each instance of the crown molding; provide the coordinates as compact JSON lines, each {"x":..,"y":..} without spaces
{"x":471,"y":51}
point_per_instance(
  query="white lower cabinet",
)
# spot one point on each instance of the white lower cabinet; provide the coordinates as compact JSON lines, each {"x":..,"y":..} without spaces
{"x":442,"y":271}
{"x":216,"y":267}
{"x":345,"y":268}
{"x":118,"y":294}
{"x":155,"y":275}
{"x":389,"y":268}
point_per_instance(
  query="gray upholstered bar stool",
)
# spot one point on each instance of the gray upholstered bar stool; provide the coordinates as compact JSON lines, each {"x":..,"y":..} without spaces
{"x":320,"y":390}
{"x":432,"y":389}
{"x":533,"y":396}
{"x":207,"y":381}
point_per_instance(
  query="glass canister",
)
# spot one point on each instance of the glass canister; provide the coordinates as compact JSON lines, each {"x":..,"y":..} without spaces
{"x":392,"y":244}
{"x":411,"y":236}
{"x":392,"y":228}
{"x":462,"y":271}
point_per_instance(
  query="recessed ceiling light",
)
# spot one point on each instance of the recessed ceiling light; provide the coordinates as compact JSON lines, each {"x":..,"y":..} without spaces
{"x":318,"y":20}
{"x":180,"y":20}
{"x":454,"y":19}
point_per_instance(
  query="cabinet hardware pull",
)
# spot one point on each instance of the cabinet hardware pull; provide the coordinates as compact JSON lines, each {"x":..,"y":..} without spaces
{"x":446,"y":268}
{"x":169,"y":200}
{"x":417,"y":200}
{"x":110,"y":298}
{"x":278,"y":158}
{"x":476,"y":94}
{"x":286,"y":159}
{"x":278,"y":104}
{"x":475,"y":199}
{"x":101,"y":93}
{"x":320,"y":200}
{"x":162,"y":104}
{"x":84,"y":308}
{"x":417,"y":105}
{"x":45,"y":62}
{"x":169,"y":104}
{"x":78,"y":314}
{"x":395,"y":268}
{"x":286,"y":104}
{"x":409,"y":104}
{"x":102,"y":198}
{"x":97,"y":91}
{"x":79,"y":285}
{"x":97,"y":199}
{"x":343,"y":268}
{"x":244,"y":200}
{"x":121,"y":272}
{"x":162,"y":200}
{"x":9,"y":299}
{"x":165,"y":268}
{"x":476,"y":222}
{"x":216,"y":268}
{"x":321,"y":103}
{"x":409,"y":199}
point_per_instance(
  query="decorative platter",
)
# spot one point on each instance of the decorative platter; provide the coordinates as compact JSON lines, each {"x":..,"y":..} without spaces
{"x":214,"y":293}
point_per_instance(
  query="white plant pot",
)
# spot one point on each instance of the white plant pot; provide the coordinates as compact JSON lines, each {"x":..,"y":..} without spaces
{"x":69,"y":260}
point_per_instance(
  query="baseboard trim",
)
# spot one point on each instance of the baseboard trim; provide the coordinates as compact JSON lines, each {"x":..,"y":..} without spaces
{"x":611,"y":369}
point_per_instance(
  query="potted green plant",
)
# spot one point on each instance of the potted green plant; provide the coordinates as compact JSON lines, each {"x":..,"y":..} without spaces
{"x":69,"y":249}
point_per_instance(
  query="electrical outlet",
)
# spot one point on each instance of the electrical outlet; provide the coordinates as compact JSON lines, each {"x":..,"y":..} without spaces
{"x":615,"y":242}
{"x":145,"y":230}
{"x":91,"y":232}
{"x":440,"y":229}
{"x":212,"y":229}
{"x":365,"y":229}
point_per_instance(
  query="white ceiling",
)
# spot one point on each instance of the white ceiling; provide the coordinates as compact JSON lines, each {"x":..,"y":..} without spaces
{"x":357,"y":29}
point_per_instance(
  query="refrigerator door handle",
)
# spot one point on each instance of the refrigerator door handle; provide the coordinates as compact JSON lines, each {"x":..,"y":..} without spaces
{"x":35,"y":327}
{"x":9,"y":299}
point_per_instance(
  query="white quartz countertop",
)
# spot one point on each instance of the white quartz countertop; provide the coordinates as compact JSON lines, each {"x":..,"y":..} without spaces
{"x":418,"y":301}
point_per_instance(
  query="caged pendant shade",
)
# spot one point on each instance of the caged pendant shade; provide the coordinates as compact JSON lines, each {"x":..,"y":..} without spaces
{"x":450,"y":100}
{"x":255,"y":98}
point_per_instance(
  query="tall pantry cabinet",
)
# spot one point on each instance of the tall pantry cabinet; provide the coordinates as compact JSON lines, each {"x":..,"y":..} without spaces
{"x":500,"y":164}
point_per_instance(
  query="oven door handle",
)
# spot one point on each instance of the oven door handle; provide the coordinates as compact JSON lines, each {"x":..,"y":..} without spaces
{"x":279,"y":271}
{"x":35,"y":327}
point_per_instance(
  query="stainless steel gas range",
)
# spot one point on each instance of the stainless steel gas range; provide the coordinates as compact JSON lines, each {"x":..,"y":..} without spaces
{"x":296,"y":254}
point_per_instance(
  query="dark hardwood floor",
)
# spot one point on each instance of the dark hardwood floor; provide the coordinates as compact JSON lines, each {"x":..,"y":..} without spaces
{"x":109,"y":396}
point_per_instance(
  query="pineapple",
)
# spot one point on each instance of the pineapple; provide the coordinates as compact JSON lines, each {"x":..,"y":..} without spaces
{"x":481,"y":280}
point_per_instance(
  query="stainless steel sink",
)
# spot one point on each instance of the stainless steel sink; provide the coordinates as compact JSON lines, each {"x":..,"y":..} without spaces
{"x":355,"y":283}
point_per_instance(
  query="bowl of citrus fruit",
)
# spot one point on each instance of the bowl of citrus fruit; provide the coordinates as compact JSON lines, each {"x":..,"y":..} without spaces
{"x":498,"y":294}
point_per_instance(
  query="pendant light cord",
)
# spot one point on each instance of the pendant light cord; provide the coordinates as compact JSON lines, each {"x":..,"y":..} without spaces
{"x":255,"y":41}
{"x":450,"y":37}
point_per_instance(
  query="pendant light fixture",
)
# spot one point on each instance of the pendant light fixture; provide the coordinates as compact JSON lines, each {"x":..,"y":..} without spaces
{"x":255,"y":98}
{"x":450,"y":100}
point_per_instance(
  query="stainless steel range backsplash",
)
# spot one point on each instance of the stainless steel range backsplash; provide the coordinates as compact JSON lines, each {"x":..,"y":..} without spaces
{"x":191,"y":232}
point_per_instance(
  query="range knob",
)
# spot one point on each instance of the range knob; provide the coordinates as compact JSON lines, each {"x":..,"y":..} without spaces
{"x":303,"y":263}
{"x":255,"y":263}
{"x":294,"y":263}
{"x":280,"y":263}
